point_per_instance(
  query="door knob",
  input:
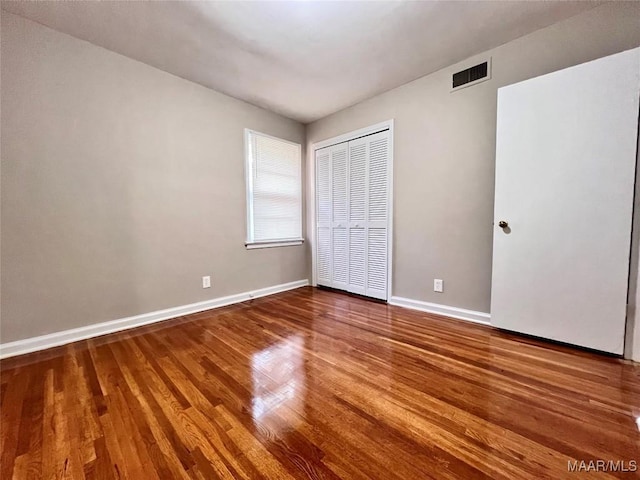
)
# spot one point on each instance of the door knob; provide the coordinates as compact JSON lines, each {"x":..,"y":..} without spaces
{"x":503,"y":224}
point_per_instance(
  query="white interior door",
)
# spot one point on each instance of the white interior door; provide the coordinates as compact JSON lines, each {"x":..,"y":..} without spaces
{"x":565,"y":170}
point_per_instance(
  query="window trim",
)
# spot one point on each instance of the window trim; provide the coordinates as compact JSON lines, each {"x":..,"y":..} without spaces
{"x":277,"y":242}
{"x":273,"y":243}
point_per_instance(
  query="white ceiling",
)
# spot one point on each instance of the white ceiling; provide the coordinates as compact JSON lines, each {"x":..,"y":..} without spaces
{"x":305,"y":59}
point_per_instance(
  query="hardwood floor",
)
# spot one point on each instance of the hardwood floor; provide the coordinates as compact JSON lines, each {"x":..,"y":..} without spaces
{"x":315,"y":384}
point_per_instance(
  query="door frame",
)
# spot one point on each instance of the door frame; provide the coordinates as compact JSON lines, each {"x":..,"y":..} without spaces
{"x":313,"y":201}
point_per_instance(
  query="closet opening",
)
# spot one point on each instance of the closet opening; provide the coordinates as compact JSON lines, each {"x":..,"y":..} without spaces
{"x":352,"y":235}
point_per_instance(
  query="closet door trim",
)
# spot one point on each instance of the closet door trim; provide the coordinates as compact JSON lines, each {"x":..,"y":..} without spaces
{"x":312,"y":199}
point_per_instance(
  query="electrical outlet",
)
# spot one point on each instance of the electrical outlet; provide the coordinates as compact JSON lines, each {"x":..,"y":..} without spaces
{"x":438,"y":285}
{"x":206,"y":282}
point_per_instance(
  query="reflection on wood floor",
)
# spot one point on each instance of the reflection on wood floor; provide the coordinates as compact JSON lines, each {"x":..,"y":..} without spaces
{"x":315,"y":384}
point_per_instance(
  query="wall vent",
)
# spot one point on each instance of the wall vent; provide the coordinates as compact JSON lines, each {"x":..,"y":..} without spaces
{"x":471,"y":76}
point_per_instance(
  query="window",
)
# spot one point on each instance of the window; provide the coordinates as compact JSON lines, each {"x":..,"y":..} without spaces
{"x":274,"y":191}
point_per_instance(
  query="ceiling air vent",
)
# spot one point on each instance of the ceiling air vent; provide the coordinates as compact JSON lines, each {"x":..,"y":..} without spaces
{"x":471,"y":76}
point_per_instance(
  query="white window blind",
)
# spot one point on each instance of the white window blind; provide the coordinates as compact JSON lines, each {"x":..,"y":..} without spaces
{"x":274,"y":191}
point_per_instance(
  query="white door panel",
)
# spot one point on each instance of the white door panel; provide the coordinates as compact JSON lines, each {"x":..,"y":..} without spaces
{"x":565,"y":169}
{"x":377,"y":263}
{"x":324,"y":256}
{"x":339,"y":179}
{"x":324,"y":215}
{"x":357,"y":260}
{"x":340,"y":208}
{"x":357,"y":181}
{"x":378,"y":177}
{"x":369,"y":176}
{"x":340,"y":258}
{"x":358,"y":167}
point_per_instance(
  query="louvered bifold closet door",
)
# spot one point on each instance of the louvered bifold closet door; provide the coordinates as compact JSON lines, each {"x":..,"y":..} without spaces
{"x":324,"y":216}
{"x":357,"y":216}
{"x":352,"y":188}
{"x":377,"y":214}
{"x":339,"y":207}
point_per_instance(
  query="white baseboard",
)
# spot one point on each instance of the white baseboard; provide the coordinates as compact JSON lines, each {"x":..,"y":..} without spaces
{"x":56,"y":339}
{"x":459,"y":313}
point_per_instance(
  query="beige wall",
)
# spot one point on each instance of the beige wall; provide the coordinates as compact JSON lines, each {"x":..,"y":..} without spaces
{"x":444,"y":153}
{"x":122,"y":186}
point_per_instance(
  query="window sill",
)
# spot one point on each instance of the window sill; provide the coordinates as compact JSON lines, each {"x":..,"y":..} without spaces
{"x":275,"y":243}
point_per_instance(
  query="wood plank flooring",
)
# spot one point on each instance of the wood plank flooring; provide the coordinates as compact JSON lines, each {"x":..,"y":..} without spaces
{"x":316,"y":384}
